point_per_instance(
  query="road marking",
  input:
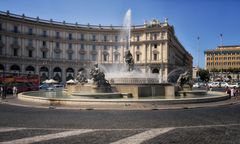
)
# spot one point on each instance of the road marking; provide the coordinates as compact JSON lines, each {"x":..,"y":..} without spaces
{"x":11,"y":129}
{"x":144,"y":136}
{"x":48,"y":137}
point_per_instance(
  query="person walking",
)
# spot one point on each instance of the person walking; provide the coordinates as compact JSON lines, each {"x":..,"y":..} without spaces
{"x":1,"y":92}
{"x":14,"y":91}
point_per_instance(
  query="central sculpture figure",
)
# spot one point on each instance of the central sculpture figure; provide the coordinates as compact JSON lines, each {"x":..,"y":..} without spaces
{"x":129,"y":61}
{"x":99,"y":77}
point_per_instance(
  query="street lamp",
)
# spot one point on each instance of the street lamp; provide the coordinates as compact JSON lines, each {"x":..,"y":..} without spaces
{"x":221,"y":38}
{"x":198,"y":48}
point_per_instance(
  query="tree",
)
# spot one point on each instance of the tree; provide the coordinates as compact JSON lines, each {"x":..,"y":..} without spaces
{"x":204,"y":75}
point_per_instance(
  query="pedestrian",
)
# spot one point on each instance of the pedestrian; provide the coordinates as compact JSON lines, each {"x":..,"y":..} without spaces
{"x":210,"y":88}
{"x":4,"y":92}
{"x":236,"y":93}
{"x":14,"y":91}
{"x":233,"y":92}
{"x":228,"y":91}
{"x":1,"y":92}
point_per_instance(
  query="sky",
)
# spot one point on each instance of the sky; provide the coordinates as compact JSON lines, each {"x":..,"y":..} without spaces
{"x":191,"y":19}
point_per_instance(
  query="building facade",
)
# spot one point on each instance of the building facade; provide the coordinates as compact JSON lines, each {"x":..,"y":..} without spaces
{"x":223,"y":61}
{"x":59,"y":50}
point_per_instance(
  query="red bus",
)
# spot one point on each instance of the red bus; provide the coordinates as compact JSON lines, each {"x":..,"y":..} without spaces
{"x":23,"y":82}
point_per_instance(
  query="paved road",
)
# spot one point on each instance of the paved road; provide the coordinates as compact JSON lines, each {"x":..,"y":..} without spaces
{"x":219,"y":125}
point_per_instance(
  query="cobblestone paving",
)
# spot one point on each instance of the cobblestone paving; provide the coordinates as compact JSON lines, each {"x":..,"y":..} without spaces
{"x":208,"y":134}
{"x":219,"y":125}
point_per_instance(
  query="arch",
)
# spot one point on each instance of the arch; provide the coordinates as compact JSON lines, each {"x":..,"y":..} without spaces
{"x":155,"y":70}
{"x":44,"y":69}
{"x":57,"y":69}
{"x":44,"y":73}
{"x":15,"y":68}
{"x":1,"y":67}
{"x":57,"y":74}
{"x":70,"y":70}
{"x":30,"y":68}
{"x":69,"y":73}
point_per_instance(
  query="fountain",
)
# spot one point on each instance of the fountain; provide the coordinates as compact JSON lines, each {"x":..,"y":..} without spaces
{"x":123,"y":83}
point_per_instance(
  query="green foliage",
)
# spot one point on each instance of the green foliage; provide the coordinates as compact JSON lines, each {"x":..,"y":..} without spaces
{"x":204,"y":75}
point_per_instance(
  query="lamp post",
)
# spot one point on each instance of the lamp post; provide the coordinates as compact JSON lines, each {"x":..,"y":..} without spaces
{"x":221,"y":38}
{"x":198,"y":48}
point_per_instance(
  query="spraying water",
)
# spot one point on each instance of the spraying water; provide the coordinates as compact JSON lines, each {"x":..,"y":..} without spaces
{"x":126,"y":29}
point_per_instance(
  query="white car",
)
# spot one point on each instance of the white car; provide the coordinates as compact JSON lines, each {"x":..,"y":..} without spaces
{"x":196,"y":85}
{"x":237,"y":85}
{"x":224,"y":84}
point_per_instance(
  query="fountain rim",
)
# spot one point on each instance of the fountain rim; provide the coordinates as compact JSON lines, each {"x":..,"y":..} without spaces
{"x":221,"y":96}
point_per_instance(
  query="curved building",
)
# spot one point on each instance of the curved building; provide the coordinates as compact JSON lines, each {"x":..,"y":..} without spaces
{"x":59,"y":49}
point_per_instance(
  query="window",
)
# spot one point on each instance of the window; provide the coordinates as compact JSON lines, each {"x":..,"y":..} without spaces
{"x":70,"y":46}
{"x":155,"y":56}
{"x":15,"y":29}
{"x":155,"y":45}
{"x":93,"y":47}
{"x":1,"y":51}
{"x":44,"y":33}
{"x":1,"y":27}
{"x":138,"y":47}
{"x":93,"y":38}
{"x":116,"y":38}
{"x":138,"y":37}
{"x":82,"y":37}
{"x":15,"y":52}
{"x":116,"y":57}
{"x":138,"y":57}
{"x":30,"y":53}
{"x":155,"y":36}
{"x":82,"y":57}
{"x":57,"y":35}
{"x":105,"y":47}
{"x":30,"y":31}
{"x":44,"y":54}
{"x":69,"y":56}
{"x":57,"y":55}
{"x":30,"y":42}
{"x":105,"y":57}
{"x":15,"y":40}
{"x":0,"y":37}
{"x":94,"y":57}
{"x":44,"y":43}
{"x":116,"y":48}
{"x":70,"y":36}
{"x":229,"y":58}
{"x":57,"y":45}
{"x":105,"y":38}
{"x":82,"y":46}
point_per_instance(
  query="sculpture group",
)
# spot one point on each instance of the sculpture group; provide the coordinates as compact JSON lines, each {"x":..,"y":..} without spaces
{"x":184,"y":79}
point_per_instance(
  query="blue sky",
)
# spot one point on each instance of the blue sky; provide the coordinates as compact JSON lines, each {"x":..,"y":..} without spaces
{"x":191,"y":18}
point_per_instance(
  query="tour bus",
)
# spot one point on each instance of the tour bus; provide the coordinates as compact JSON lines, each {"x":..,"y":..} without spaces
{"x":23,"y":82}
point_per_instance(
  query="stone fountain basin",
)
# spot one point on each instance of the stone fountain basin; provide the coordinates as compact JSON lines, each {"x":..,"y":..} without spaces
{"x":108,"y":103}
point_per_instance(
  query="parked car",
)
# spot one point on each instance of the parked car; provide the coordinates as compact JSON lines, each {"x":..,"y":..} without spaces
{"x":237,"y":85}
{"x":223,"y":84}
{"x":44,"y":86}
{"x":196,"y":85}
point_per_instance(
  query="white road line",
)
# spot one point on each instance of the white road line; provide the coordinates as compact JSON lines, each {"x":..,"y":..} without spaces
{"x":141,"y":137}
{"x":47,"y":137}
{"x":10,"y":129}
